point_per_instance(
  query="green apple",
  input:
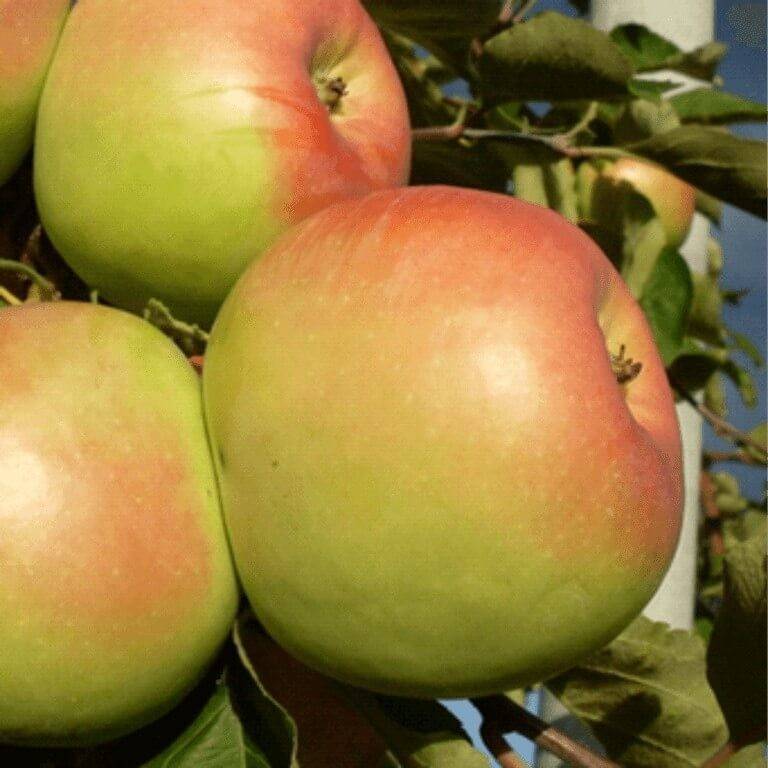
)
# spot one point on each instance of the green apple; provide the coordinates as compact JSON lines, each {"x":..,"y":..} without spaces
{"x":29,"y":30}
{"x":442,"y":470}
{"x":177,"y":139}
{"x":116,"y":583}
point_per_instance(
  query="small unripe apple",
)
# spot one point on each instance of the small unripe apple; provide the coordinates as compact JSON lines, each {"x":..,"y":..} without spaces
{"x":672,"y":199}
{"x":29,"y":30}
{"x":177,"y":139}
{"x":116,"y":584}
{"x":447,"y":449}
{"x":331,"y":732}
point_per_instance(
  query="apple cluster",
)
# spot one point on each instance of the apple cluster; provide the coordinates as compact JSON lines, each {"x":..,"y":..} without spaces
{"x":433,"y":443}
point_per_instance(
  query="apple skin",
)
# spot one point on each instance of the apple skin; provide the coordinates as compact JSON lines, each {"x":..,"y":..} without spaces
{"x":331,"y":732}
{"x":29,"y":30}
{"x":116,"y":581}
{"x":673,"y":200}
{"x":432,"y":481}
{"x":197,"y":136}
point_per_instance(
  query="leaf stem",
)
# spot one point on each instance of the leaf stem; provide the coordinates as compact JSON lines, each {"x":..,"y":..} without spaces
{"x":496,"y":744}
{"x":9,"y":265}
{"x":9,"y":298}
{"x":740,"y":456}
{"x":508,"y":716}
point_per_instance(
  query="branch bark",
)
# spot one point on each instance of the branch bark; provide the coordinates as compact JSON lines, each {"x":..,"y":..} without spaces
{"x":508,"y":716}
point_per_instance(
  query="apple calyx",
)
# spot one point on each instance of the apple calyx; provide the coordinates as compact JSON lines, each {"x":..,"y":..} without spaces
{"x":331,"y":90}
{"x":625,"y":369}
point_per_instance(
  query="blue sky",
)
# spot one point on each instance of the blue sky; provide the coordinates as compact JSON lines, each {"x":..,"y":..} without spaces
{"x":742,"y":26}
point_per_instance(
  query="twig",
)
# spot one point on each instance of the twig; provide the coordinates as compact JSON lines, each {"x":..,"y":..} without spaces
{"x":740,"y":456}
{"x":557,"y":143}
{"x":497,"y":745}
{"x":523,"y":10}
{"x":712,"y":519}
{"x":509,"y":716}
{"x":721,"y":426}
{"x":9,"y":265}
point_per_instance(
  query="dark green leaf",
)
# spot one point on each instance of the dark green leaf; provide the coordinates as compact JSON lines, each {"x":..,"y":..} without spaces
{"x":708,"y":105}
{"x":445,"y":27}
{"x":216,"y":739}
{"x":701,"y":63}
{"x":277,"y":730}
{"x":650,"y":89}
{"x":730,"y":168}
{"x":476,"y":166}
{"x":553,"y":57}
{"x":421,"y":734}
{"x":649,"y":51}
{"x":582,"y":6}
{"x":736,"y":660}
{"x":646,"y":698}
{"x":706,"y":316}
{"x":666,"y":301}
{"x":642,"y":233}
{"x":645,"y":49}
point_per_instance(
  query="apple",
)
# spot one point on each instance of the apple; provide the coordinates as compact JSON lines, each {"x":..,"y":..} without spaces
{"x":176,"y":140}
{"x":331,"y":732}
{"x":116,"y":583}
{"x":672,"y":199}
{"x":446,"y":446}
{"x":29,"y":30}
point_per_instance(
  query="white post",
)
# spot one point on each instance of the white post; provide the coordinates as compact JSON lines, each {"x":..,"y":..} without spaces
{"x":689,"y":24}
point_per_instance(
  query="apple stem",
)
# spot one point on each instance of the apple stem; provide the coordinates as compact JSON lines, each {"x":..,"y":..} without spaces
{"x":625,"y":369}
{"x":508,"y":716}
{"x":331,"y":91}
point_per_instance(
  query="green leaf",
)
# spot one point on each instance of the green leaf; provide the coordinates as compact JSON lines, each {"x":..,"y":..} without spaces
{"x":421,"y":734}
{"x":477,"y":166}
{"x":643,"y":235}
{"x":649,"y":51}
{"x":327,"y":728}
{"x":650,"y":89}
{"x":743,"y":380}
{"x":730,"y":168}
{"x":666,"y":301}
{"x":747,"y":346}
{"x":278,"y":735}
{"x":646,"y":698}
{"x":550,"y":58}
{"x":444,"y":27}
{"x":706,"y":315}
{"x":215,"y":739}
{"x":645,"y":49}
{"x":709,"y":105}
{"x":736,"y":659}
